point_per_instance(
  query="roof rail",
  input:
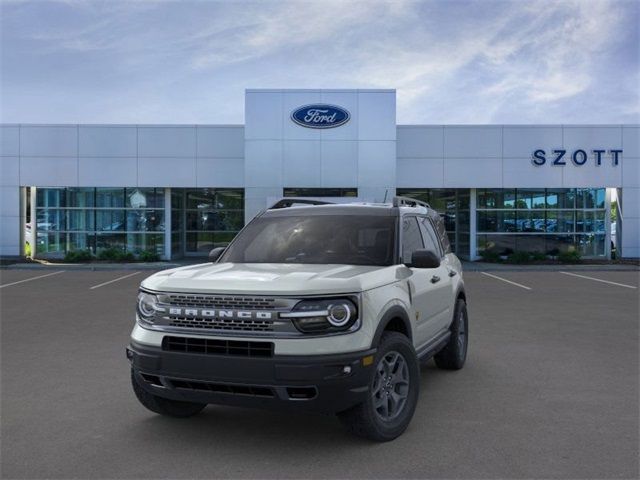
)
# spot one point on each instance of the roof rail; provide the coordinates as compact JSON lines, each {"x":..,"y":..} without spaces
{"x":292,"y":201}
{"x":409,"y":202}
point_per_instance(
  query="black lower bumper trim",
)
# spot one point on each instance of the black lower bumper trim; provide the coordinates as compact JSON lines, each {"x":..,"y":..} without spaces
{"x":322,"y":383}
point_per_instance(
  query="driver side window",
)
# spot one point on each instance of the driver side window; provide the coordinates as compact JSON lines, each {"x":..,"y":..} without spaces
{"x":411,"y":238}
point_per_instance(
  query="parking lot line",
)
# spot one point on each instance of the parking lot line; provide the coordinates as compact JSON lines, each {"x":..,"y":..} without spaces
{"x":600,"y":280}
{"x":506,"y":281}
{"x":32,"y":278}
{"x":114,"y":280}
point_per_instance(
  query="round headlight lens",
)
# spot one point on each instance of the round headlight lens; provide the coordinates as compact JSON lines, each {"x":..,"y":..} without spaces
{"x":146,"y":305}
{"x":324,"y":315}
{"x":339,"y":314}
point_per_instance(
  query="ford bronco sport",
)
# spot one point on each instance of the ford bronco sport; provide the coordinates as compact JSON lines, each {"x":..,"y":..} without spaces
{"x":313,"y":306}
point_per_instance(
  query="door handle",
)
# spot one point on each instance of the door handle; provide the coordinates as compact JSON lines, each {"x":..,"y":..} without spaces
{"x":435,"y":279}
{"x":452,"y":273}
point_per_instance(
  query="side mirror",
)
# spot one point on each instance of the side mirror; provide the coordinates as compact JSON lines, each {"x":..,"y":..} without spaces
{"x":424,"y":259}
{"x":214,"y":254}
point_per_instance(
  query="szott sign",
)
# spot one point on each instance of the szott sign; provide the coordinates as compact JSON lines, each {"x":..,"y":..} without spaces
{"x":320,"y":116}
{"x":561,"y":157}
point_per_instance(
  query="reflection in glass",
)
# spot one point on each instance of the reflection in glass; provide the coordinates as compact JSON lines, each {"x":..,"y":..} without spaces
{"x":212,"y":217}
{"x":548,"y":219}
{"x":453,"y":205}
{"x":109,"y":197}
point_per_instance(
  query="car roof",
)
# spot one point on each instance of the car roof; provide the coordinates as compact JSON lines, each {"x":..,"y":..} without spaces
{"x":334,"y":209}
{"x":306,"y":206}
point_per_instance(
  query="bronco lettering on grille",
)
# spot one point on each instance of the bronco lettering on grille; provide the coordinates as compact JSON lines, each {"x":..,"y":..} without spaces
{"x":209,"y":313}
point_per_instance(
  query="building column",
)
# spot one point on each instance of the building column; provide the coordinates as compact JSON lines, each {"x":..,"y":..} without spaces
{"x":619,"y":222}
{"x":167,"y":224}
{"x":629,"y":222}
{"x":607,"y":223}
{"x":473,"y":227}
{"x":34,"y":223}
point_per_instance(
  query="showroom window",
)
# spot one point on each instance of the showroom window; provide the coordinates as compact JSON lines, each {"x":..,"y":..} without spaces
{"x":542,"y":220}
{"x":453,"y":206}
{"x":213,"y":216}
{"x":130,"y":219}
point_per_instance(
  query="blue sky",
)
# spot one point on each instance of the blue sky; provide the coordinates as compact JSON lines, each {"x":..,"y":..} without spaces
{"x":450,"y":61}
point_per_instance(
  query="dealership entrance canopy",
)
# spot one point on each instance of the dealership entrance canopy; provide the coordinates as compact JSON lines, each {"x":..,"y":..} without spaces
{"x":180,"y":190}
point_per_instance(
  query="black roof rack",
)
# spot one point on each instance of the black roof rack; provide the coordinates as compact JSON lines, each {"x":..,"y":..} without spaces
{"x":409,"y":202}
{"x":291,"y":201}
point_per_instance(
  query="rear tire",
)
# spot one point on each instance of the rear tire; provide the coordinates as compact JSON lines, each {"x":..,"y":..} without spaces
{"x":392,"y":395}
{"x":164,"y":406}
{"x":454,"y":354}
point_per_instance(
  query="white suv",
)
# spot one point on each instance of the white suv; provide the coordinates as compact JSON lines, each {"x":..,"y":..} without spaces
{"x":313,"y":306}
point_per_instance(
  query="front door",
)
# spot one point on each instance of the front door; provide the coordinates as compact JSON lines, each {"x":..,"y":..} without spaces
{"x":430,"y":287}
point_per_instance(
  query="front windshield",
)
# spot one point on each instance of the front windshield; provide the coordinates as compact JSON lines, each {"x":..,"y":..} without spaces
{"x":324,"y":239}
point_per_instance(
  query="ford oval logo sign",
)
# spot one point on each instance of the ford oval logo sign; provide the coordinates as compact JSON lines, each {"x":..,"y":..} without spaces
{"x":320,"y":116}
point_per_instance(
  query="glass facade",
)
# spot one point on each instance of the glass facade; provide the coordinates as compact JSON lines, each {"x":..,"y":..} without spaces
{"x":543,"y":220}
{"x":548,"y":221}
{"x":212,"y":217}
{"x":454,"y":206}
{"x":133,"y":219}
{"x":130,"y":219}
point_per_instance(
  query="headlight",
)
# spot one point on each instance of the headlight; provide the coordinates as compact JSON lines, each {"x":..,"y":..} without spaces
{"x":147,"y":304}
{"x":324,"y":315}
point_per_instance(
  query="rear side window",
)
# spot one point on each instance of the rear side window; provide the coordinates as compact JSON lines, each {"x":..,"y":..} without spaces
{"x":430,"y":238}
{"x":441,"y":232}
{"x":411,"y":238}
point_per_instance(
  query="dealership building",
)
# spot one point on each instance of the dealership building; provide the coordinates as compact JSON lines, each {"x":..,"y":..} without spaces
{"x":180,"y":190}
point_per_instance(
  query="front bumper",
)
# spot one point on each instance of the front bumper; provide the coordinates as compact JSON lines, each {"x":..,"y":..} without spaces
{"x":321,"y":383}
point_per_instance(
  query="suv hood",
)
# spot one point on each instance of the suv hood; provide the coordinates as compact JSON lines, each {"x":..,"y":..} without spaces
{"x":271,"y":278}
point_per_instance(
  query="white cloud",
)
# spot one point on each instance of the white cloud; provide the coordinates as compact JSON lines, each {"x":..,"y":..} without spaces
{"x":455,"y":62}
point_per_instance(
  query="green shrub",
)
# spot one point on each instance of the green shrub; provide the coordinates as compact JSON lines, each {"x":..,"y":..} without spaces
{"x":519,"y":257}
{"x":75,"y":256}
{"x":572,"y":256}
{"x":538,"y":256}
{"x":27,"y":249}
{"x":127,"y":257}
{"x":148,"y":256}
{"x":490,"y":256}
{"x":111,"y":254}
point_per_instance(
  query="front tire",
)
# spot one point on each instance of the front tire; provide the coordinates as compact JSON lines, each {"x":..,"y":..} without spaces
{"x":393,"y":392}
{"x":454,"y":354}
{"x":164,"y":406}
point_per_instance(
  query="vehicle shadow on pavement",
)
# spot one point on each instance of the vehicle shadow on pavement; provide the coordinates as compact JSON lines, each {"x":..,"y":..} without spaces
{"x":237,"y":425}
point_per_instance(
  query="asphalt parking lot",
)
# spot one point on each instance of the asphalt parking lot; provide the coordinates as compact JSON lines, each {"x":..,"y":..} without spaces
{"x":550,"y":390}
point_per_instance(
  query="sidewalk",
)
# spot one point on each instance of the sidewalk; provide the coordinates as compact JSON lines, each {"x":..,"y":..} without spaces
{"x":42,"y":265}
{"x":468,"y":266}
{"x":506,"y":267}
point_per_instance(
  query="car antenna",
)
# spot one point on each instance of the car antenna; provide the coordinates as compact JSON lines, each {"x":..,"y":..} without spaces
{"x":385,"y":195}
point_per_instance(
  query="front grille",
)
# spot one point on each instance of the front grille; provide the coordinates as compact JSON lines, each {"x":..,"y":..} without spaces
{"x":251,"y":390}
{"x":218,"y":347}
{"x":220,"y":301}
{"x":239,"y":325}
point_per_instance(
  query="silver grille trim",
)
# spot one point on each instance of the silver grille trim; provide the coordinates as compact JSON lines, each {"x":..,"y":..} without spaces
{"x":224,"y":314}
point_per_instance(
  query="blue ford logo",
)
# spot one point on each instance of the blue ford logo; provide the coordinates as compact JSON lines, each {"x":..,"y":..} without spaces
{"x":320,"y":116}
